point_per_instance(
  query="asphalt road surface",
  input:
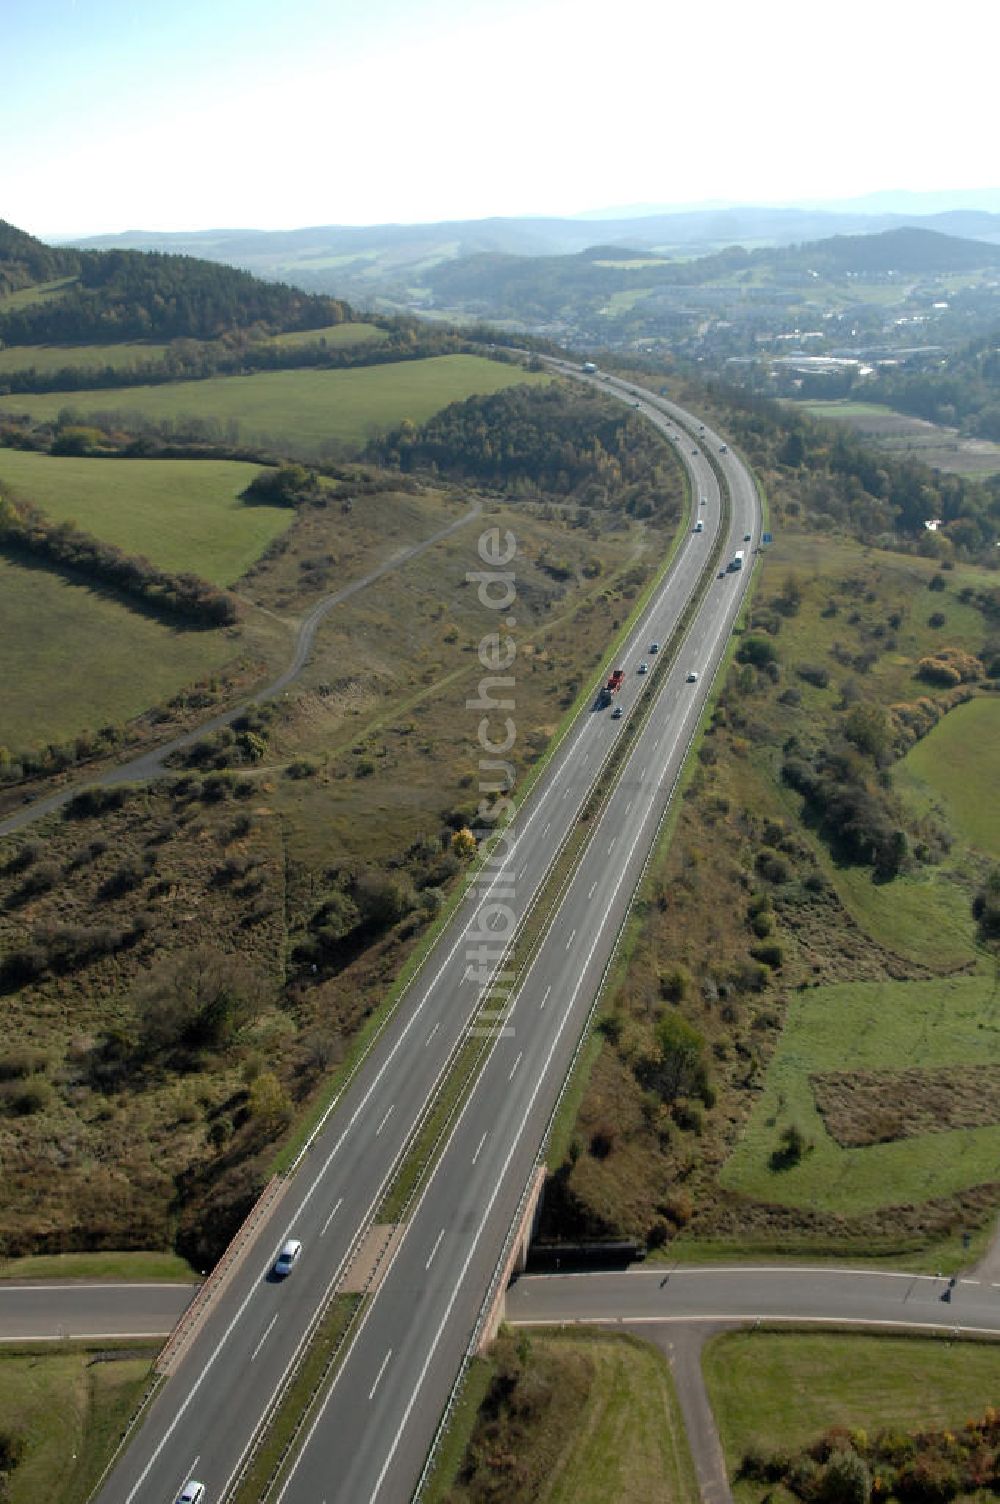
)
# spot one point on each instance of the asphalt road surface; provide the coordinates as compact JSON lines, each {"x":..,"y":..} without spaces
{"x":379,"y":1419}
{"x":38,"y":1311}
{"x":864,"y":1297}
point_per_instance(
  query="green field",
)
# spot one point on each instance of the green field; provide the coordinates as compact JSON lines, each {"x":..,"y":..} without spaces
{"x":39,"y":292}
{"x":161,"y":1267}
{"x":958,"y":762}
{"x":300,"y":410}
{"x":595,"y":1418}
{"x":86,"y":659}
{"x":137,"y":353}
{"x":339,"y":335}
{"x":873,"y":1026}
{"x":781,"y":1390}
{"x":183,"y":515}
{"x":70,"y":1407}
{"x":924,"y":915}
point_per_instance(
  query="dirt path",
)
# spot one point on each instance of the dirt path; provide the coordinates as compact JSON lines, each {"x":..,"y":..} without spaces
{"x":151,"y":764}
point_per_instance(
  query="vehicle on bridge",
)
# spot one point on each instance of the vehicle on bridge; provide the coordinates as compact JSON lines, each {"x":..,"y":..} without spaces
{"x":737,"y":561}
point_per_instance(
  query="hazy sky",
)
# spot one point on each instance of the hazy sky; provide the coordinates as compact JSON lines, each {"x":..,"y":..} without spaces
{"x":188,"y":114}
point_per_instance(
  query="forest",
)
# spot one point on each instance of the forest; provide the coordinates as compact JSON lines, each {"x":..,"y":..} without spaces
{"x":125,"y":295}
{"x":529,"y":440}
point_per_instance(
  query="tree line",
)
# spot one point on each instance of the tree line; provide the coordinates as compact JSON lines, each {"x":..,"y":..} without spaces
{"x":532,"y":440}
{"x":191,"y":360}
{"x":879,"y":499}
{"x":26,"y":530}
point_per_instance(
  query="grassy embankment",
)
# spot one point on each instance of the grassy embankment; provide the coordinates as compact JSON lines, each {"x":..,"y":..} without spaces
{"x":70,"y":1406}
{"x":135,"y":353}
{"x":300,"y":411}
{"x":780,"y":1391}
{"x":748,"y":912}
{"x":568,"y":1417}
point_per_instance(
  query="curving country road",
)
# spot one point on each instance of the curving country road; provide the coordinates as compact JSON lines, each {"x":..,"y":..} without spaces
{"x":151,"y":764}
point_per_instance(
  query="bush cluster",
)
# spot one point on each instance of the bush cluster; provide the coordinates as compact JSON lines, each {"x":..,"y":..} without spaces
{"x":923,"y":1467}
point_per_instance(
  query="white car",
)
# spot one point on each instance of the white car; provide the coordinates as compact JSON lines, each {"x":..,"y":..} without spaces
{"x":287,"y":1258}
{"x":193,"y":1492}
{"x":616,"y":714}
{"x":693,"y":676}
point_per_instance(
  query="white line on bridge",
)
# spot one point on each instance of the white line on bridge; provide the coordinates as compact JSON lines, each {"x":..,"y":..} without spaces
{"x":545,"y":996}
{"x":514,"y":1067}
{"x":431,"y":1034}
{"x":479,"y":1148}
{"x":381,"y":1125}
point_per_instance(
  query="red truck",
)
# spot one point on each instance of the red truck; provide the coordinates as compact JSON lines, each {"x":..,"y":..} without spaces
{"x":613,"y":685}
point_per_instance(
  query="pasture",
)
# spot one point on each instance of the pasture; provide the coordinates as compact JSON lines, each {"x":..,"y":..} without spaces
{"x":183,"y":515}
{"x":133,"y":354}
{"x":886,"y":1036}
{"x":74,"y":658}
{"x":335,"y":336}
{"x":910,"y":438}
{"x":958,"y":763}
{"x":302,"y":411}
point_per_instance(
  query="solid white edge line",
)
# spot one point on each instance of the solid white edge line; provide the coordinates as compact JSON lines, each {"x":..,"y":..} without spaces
{"x":741,"y":1318}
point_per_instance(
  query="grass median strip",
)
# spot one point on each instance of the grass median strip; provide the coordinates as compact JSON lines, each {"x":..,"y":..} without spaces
{"x":318,"y":1362}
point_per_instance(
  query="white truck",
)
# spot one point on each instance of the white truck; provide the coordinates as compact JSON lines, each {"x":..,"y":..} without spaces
{"x":737,"y":562}
{"x":589,"y":367}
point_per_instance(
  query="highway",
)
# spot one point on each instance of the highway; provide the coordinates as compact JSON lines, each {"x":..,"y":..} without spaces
{"x":372,"y":1434}
{"x":855,"y":1297}
{"x":381,"y":1414}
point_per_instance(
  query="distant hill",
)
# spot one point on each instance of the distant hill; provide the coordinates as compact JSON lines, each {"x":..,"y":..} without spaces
{"x":127,"y":295}
{"x":904,"y":250}
{"x":388,"y":263}
{"x":549,"y":288}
